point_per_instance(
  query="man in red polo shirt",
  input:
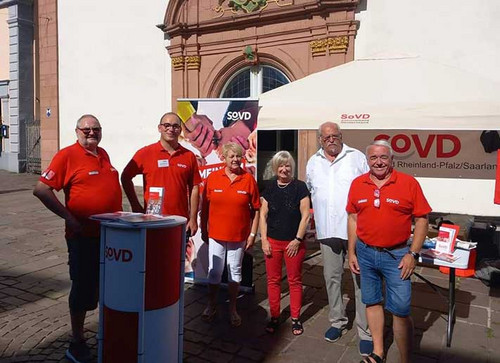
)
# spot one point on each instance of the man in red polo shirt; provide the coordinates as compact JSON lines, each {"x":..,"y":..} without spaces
{"x":90,"y":186}
{"x":381,"y":206}
{"x":168,"y":165}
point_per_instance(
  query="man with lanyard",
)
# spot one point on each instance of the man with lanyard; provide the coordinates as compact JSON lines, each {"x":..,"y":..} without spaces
{"x":381,"y":205}
{"x":90,"y":186}
{"x":169,"y":166}
{"x":330,"y":172}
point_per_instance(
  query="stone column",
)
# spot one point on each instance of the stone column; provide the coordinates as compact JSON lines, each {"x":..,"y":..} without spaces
{"x":21,"y":85}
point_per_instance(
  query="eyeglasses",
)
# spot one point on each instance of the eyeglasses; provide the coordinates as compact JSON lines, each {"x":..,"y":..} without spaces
{"x":86,"y":130}
{"x":376,"y":201}
{"x":174,"y":127}
{"x":332,"y":137}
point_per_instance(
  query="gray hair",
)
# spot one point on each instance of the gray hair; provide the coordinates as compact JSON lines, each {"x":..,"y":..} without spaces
{"x":232,"y":146}
{"x":281,"y":158}
{"x":87,"y":115}
{"x":383,"y":143}
{"x":329,"y":123}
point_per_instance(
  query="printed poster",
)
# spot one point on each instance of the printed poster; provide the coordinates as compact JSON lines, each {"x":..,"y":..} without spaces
{"x":208,"y":124}
{"x":432,"y":153}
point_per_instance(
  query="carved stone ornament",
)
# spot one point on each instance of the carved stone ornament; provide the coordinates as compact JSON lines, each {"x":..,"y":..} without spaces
{"x":333,"y":45}
{"x":193,"y":62}
{"x":251,"y":55}
{"x":246,"y":6}
{"x":178,"y":63}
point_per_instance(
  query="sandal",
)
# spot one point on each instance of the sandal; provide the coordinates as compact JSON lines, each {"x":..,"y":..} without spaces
{"x":272,"y":326}
{"x":375,"y":358}
{"x":297,"y":328}
{"x":208,"y":314}
{"x":235,"y":320}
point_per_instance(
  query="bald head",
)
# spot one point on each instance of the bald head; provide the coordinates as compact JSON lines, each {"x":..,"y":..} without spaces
{"x":88,"y":131}
{"x":84,"y":117}
{"x":171,"y":116}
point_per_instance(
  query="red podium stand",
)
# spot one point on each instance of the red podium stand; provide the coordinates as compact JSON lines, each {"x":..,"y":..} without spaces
{"x":141,"y":291}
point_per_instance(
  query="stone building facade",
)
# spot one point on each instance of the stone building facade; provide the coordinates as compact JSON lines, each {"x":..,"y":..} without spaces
{"x":211,"y":41}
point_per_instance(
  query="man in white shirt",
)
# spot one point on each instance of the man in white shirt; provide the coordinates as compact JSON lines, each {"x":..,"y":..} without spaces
{"x":330,"y":172}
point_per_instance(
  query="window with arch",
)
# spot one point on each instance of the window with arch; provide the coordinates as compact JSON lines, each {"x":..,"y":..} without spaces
{"x":253,"y":81}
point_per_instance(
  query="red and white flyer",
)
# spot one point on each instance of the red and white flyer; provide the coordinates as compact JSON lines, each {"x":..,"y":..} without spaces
{"x":446,"y":238}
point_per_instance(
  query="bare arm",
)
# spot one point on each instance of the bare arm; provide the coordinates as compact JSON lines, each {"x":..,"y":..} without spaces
{"x":352,"y":223}
{"x":419,"y":233}
{"x":47,"y":196}
{"x":192,"y":225}
{"x":264,"y":210}
{"x":293,"y":247}
{"x":253,"y":230}
{"x":305,"y":207}
{"x":408,"y":263}
{"x":128,"y":187}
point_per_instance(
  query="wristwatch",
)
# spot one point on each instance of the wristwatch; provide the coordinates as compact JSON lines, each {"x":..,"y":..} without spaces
{"x":415,"y":255}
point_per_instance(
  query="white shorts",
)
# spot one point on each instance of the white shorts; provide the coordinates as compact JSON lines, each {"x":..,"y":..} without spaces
{"x":216,"y":257}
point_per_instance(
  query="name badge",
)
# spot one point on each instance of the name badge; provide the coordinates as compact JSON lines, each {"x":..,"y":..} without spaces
{"x":163,"y":163}
{"x":93,"y":172}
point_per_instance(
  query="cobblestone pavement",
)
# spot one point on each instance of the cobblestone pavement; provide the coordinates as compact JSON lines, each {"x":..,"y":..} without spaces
{"x":34,"y":319}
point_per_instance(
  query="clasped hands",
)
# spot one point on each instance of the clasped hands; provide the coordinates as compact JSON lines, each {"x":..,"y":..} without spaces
{"x":200,"y":131}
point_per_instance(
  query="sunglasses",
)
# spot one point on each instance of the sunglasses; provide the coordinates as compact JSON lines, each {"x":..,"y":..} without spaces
{"x":376,"y":201}
{"x":86,"y":130}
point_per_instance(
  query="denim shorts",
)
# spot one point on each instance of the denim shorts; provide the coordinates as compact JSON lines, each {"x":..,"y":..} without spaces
{"x":378,"y":266}
{"x":83,"y":260}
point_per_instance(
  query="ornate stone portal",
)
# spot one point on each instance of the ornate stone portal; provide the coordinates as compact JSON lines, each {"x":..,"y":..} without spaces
{"x":246,"y":6}
{"x":212,"y":40}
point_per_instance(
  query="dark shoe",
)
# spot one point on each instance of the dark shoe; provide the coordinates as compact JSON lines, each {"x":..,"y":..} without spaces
{"x":272,"y":326}
{"x":297,"y":328}
{"x":373,"y":358}
{"x":209,"y":314}
{"x":78,"y":352}
{"x":365,"y":347}
{"x":333,"y":334}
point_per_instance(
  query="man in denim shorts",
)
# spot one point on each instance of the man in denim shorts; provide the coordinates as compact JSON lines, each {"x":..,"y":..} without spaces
{"x":381,"y":207}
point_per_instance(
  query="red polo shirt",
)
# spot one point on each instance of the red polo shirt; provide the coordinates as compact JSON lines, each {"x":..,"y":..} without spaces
{"x":230,"y":205}
{"x":90,"y":185}
{"x":497,"y":181}
{"x":401,"y":198}
{"x":177,"y":173}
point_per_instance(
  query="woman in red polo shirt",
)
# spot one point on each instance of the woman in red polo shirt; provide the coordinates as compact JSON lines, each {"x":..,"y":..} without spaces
{"x":229,"y":221}
{"x":283,"y":220}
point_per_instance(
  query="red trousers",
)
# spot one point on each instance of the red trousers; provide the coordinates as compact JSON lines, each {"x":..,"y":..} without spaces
{"x":293,"y":265}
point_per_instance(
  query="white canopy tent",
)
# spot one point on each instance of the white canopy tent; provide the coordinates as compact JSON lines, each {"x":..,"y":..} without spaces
{"x":396,"y":93}
{"x":401,"y":93}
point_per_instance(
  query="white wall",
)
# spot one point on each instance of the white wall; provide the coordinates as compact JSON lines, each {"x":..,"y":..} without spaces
{"x":462,"y":33}
{"x":113,"y":63}
{"x":4,"y":44}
